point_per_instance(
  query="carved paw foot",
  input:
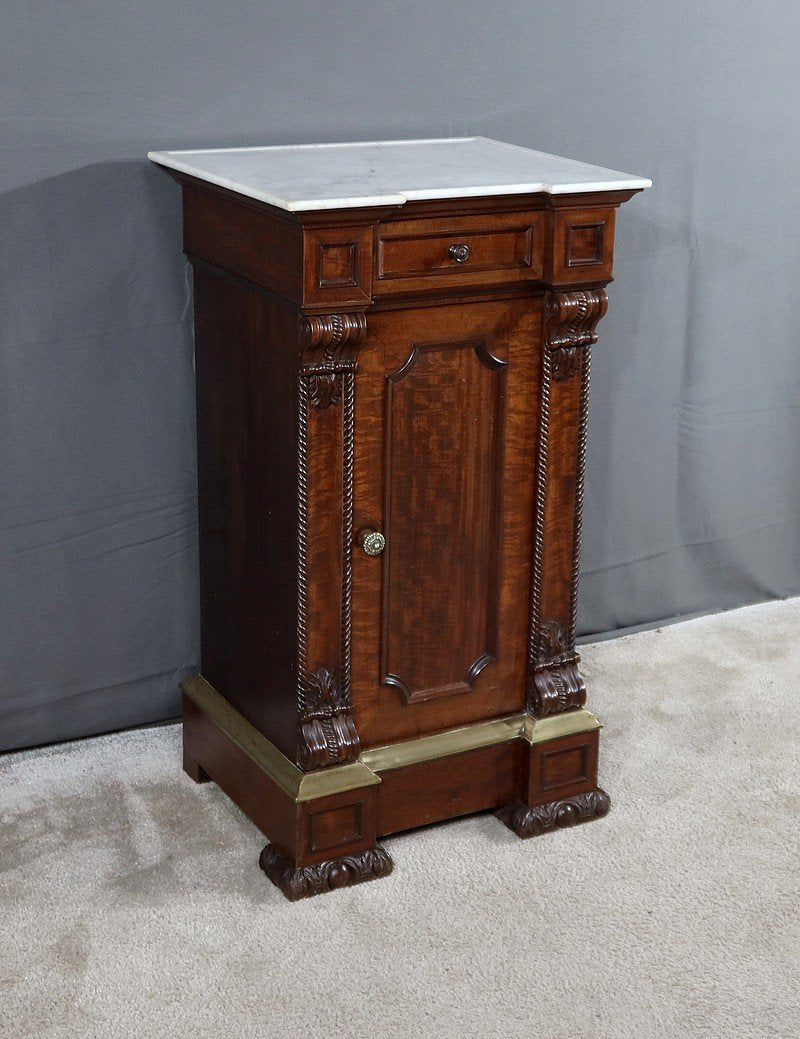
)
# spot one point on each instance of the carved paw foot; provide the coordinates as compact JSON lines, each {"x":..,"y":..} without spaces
{"x":304,"y":881}
{"x":530,"y":822}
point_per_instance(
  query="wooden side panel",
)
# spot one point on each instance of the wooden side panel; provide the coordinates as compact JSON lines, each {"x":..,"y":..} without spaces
{"x":246,"y":360}
{"x":248,"y":239}
{"x":258,"y":796}
{"x":451,"y":465}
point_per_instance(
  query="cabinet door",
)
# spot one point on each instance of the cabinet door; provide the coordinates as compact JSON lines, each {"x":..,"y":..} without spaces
{"x":445,"y":435}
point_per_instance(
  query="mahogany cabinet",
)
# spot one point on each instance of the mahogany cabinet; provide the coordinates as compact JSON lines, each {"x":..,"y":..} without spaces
{"x":392,"y":350}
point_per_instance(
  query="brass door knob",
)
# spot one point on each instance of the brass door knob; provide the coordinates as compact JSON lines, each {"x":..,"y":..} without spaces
{"x":372,"y":541}
{"x":460,"y":253}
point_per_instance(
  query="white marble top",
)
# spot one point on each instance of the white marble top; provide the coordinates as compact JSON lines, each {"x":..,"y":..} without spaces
{"x":380,"y":173}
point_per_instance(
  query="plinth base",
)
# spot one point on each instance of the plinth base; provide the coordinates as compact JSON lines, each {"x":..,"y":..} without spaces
{"x":324,"y":825}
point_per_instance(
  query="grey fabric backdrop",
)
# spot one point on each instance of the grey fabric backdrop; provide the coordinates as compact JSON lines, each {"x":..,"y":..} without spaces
{"x":693,"y":493}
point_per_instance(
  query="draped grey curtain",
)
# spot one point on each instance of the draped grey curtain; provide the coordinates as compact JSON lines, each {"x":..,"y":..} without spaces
{"x":693,"y":487}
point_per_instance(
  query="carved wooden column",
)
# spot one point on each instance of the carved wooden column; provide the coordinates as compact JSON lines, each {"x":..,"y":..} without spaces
{"x":327,"y":735}
{"x":570,"y":319}
{"x":329,"y":343}
{"x":566,"y":764}
{"x":561,"y":787}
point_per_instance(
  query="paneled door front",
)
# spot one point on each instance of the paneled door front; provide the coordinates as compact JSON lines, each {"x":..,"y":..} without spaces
{"x":445,"y":443}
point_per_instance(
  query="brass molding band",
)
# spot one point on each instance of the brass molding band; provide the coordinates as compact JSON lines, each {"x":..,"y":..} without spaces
{"x":480,"y":734}
{"x":554,"y":726}
{"x":306,"y":786}
{"x":443,"y":744}
{"x":300,"y":786}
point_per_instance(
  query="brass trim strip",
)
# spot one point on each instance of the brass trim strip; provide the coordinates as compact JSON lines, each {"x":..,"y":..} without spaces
{"x":300,"y":786}
{"x":306,"y":786}
{"x":539,"y":730}
{"x":473,"y":737}
{"x":443,"y":744}
{"x":335,"y":780}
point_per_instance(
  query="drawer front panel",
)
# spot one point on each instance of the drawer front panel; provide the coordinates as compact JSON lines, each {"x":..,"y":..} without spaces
{"x":413,"y":254}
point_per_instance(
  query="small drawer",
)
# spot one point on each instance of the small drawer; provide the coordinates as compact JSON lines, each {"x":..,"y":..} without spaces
{"x":468,"y":250}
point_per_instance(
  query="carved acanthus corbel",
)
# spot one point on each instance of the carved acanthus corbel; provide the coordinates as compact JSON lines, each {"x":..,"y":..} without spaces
{"x":328,"y":734}
{"x":557,"y":684}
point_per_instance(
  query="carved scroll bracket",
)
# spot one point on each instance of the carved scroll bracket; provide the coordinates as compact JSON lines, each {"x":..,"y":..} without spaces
{"x":572,"y":318}
{"x":329,"y":344}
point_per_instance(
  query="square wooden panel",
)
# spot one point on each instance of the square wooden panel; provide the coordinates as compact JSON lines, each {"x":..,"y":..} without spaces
{"x":337,"y":265}
{"x":583,"y":245}
{"x":335,"y":827}
{"x":563,"y":767}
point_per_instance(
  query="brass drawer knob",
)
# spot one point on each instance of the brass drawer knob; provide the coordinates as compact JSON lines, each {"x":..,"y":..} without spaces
{"x":372,"y":541}
{"x":460,"y":253}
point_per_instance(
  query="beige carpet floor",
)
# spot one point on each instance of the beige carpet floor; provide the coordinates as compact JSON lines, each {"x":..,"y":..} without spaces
{"x":133,"y":906}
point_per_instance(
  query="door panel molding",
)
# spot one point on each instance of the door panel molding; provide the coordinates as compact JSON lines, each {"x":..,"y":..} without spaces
{"x":442,"y":470}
